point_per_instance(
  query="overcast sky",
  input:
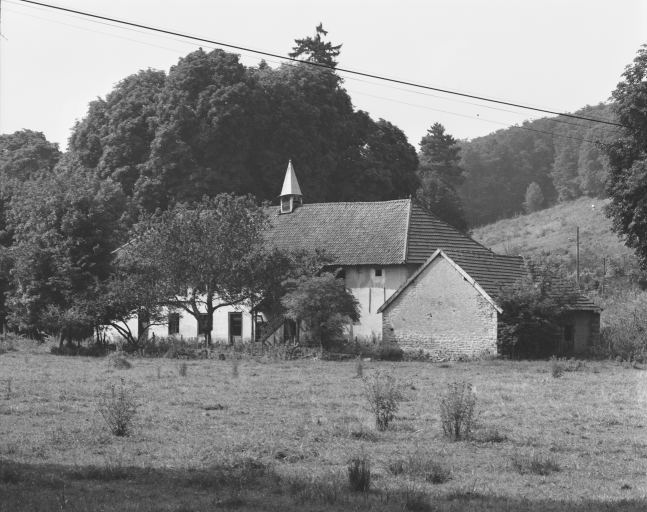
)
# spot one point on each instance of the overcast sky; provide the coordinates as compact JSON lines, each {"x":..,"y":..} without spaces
{"x":554,"y":54}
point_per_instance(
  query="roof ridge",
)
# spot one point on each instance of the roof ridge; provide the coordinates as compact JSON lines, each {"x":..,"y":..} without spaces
{"x":355,"y":202}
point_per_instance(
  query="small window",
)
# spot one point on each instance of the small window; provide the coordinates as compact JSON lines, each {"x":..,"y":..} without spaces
{"x":173,"y":323}
{"x":340,"y":273}
{"x":378,"y":272}
{"x":203,"y":323}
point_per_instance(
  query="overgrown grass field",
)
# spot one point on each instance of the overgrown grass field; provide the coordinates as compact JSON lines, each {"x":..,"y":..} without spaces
{"x":278,"y":435}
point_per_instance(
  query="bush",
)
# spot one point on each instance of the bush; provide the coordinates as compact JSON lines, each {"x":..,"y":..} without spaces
{"x":390,"y":352}
{"x":384,"y":397}
{"x":457,"y":409}
{"x":118,"y":407}
{"x":119,"y":362}
{"x":359,"y":473}
{"x":422,"y":466}
{"x":624,"y":333}
{"x":556,"y":368}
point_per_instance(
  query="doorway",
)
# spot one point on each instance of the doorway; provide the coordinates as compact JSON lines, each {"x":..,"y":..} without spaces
{"x":235,"y":327}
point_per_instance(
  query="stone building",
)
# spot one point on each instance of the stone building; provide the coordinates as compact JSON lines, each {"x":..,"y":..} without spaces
{"x":448,"y":308}
{"x":387,"y":253}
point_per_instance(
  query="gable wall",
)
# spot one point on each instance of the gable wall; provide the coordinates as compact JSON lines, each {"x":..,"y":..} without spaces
{"x":371,"y":292}
{"x":443,"y":315}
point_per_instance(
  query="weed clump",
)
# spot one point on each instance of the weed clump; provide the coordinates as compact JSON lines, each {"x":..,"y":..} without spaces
{"x":117,"y":406}
{"x":384,"y":396}
{"x":119,"y":362}
{"x":457,"y":410}
{"x":536,"y":464}
{"x":556,"y":368}
{"x":422,"y":466}
{"x":182,"y":369}
{"x":359,"y":368}
{"x":359,"y":473}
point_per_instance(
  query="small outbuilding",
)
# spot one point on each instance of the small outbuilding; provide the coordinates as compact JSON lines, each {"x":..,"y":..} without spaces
{"x":448,"y":308}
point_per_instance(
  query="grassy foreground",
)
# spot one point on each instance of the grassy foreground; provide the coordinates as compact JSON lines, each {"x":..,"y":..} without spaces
{"x":278,"y":435}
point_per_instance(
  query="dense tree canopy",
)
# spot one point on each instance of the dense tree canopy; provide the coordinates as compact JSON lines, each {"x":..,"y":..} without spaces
{"x":628,"y":158}
{"x":214,"y":126}
{"x":66,"y":225}
{"x":559,"y":154}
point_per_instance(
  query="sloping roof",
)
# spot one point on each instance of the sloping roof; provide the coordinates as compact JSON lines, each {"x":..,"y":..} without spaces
{"x":375,"y":233}
{"x":428,"y":233}
{"x":290,"y":183}
{"x":489,"y":274}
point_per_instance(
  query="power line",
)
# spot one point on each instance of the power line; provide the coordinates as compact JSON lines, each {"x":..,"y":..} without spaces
{"x":317,"y":64}
{"x":275,"y":61}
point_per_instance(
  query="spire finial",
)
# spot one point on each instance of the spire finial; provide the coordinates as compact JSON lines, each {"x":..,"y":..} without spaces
{"x":291,"y":192}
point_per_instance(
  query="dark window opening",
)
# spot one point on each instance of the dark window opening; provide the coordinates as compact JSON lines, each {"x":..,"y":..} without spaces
{"x":173,"y":323}
{"x":378,"y":272}
{"x":340,"y":273}
{"x":203,"y":323}
{"x":235,"y":327}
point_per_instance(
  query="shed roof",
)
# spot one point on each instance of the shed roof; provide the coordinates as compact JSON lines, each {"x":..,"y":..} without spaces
{"x":490,"y":273}
{"x":367,"y":233}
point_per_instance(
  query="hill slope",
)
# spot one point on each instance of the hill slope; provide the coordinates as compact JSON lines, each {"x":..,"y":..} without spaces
{"x":553,"y":232}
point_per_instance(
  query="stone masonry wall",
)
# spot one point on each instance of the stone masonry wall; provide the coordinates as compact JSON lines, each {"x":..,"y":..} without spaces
{"x":443,"y":315}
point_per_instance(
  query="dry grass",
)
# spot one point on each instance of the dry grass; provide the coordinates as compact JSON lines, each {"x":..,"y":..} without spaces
{"x":279,"y":437}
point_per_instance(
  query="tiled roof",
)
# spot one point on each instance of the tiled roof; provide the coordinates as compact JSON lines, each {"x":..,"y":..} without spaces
{"x":375,"y":233}
{"x":493,"y":272}
{"x":351,"y":233}
{"x":428,"y":233}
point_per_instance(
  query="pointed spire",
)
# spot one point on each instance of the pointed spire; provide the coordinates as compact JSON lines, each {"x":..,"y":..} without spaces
{"x":291,"y":195}
{"x":290,"y":183}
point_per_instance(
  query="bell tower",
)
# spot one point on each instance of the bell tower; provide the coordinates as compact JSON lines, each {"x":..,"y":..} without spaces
{"x":291,"y":196}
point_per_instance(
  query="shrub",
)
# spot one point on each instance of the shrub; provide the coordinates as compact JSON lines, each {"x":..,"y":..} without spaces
{"x":556,"y":368}
{"x":118,"y":407}
{"x":359,"y":473}
{"x":390,"y":352}
{"x":422,"y":466}
{"x":359,"y":368}
{"x":457,"y":409}
{"x":119,"y":362}
{"x":624,"y":328}
{"x":384,"y":396}
{"x":536,"y":464}
{"x":182,"y":369}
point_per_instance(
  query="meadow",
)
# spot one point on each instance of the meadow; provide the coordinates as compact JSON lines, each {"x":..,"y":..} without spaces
{"x":278,"y":435}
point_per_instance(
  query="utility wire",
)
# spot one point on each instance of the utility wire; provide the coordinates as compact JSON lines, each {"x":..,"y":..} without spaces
{"x":317,"y":64}
{"x":275,"y":61}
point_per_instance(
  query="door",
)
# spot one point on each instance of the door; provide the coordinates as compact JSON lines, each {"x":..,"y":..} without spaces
{"x":235,"y":327}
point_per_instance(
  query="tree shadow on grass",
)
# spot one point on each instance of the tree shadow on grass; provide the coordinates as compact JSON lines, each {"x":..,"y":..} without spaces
{"x":246,"y":484}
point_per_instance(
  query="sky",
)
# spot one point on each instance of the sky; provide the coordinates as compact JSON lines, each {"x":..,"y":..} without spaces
{"x":554,"y":54}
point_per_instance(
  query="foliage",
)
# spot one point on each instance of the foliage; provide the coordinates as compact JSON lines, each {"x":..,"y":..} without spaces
{"x":117,"y":406}
{"x":533,"y":307}
{"x":383,"y":395}
{"x":627,"y":184}
{"x":556,"y":368}
{"x":323,"y":303}
{"x":212,"y":125}
{"x":500,"y":166}
{"x":457,"y":410}
{"x":624,"y":328}
{"x":359,"y":473}
{"x":66,"y":225}
{"x":440,"y":174}
{"x":203,"y":253}
{"x":316,"y":50}
{"x":534,"y":198}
